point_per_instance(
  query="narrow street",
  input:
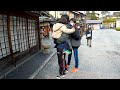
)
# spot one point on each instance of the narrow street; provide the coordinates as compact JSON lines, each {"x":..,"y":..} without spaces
{"x":101,"y":61}
{"x":27,"y":47}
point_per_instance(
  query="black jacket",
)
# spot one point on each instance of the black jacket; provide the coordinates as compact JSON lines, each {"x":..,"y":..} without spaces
{"x":89,"y":32}
{"x":76,"y":35}
{"x":75,"y":38}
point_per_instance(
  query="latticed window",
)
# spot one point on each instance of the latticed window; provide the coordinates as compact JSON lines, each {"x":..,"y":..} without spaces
{"x":4,"y":43}
{"x":23,"y":35}
{"x":19,"y":33}
{"x":31,"y":32}
{"x":14,"y":33}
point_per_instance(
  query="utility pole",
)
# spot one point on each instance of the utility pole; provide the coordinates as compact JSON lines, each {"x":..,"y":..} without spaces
{"x":55,"y":14}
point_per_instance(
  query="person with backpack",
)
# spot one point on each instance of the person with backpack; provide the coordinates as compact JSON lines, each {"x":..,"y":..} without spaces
{"x":75,"y":40}
{"x":69,"y":25}
{"x":89,"y":35}
{"x":60,"y":36}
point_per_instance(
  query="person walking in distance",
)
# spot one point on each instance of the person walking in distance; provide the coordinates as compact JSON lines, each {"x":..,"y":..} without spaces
{"x":89,"y":35}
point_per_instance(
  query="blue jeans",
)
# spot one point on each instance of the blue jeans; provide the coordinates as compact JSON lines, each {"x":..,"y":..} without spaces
{"x":75,"y":50}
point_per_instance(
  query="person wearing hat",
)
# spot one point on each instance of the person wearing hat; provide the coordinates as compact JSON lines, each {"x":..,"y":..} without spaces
{"x":75,"y":40}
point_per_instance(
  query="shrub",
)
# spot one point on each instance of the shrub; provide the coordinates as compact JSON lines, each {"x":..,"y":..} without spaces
{"x":118,"y":29}
{"x":109,"y":20}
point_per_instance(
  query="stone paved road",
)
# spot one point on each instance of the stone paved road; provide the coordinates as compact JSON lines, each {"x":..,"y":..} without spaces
{"x":101,"y":61}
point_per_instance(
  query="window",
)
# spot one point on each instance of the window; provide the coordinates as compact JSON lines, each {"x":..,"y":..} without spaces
{"x":19,"y":34}
{"x":14,"y":33}
{"x":18,"y":28}
{"x":4,"y":43}
{"x":32,"y":33}
{"x":23,"y":38}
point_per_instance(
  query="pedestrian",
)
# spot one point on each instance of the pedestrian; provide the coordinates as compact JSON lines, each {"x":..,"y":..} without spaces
{"x":89,"y":35}
{"x":61,"y":43}
{"x":111,"y":26}
{"x":75,"y":40}
{"x":69,"y":25}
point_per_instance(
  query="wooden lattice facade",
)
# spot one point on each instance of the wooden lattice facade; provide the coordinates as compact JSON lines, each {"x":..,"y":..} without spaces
{"x":19,"y":36}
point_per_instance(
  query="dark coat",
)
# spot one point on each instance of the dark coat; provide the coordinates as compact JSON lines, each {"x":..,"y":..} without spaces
{"x":75,"y":38}
{"x":89,"y":31}
{"x":69,"y":38}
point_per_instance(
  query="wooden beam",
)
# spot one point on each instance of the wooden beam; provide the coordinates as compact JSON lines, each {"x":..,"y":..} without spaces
{"x":28,"y":35}
{"x":9,"y":38}
{"x":25,"y":14}
{"x":39,"y":39}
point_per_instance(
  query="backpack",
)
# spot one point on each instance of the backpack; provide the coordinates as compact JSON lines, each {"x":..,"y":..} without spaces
{"x":76,"y":35}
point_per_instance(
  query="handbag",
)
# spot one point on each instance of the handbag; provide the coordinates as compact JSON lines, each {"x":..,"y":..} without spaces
{"x":89,"y":35}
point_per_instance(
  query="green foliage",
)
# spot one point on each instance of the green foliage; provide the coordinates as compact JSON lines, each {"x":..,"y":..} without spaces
{"x":92,"y":15}
{"x":118,"y":29}
{"x":94,"y":18}
{"x":109,"y":20}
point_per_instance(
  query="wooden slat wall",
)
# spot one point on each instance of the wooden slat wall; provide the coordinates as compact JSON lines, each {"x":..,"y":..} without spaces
{"x":26,"y":15}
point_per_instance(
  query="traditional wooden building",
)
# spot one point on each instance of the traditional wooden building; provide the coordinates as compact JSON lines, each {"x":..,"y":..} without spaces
{"x":19,"y":35}
{"x":79,"y":16}
{"x":95,"y":23}
{"x":46,"y":23}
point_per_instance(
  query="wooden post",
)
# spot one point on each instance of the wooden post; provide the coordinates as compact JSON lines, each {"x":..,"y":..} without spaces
{"x":38,"y":28}
{"x":28,"y":35}
{"x":9,"y":38}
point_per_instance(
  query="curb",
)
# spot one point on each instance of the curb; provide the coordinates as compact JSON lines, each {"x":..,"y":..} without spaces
{"x":42,"y":66}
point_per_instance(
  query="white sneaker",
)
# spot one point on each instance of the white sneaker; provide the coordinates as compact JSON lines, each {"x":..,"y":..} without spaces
{"x":63,"y":76}
{"x":60,"y":76}
{"x":66,"y":71}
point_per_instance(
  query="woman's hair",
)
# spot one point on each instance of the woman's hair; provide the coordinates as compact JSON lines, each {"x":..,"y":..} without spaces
{"x":62,"y":20}
{"x":57,"y":20}
{"x":66,"y":16}
{"x":73,"y":19}
{"x":89,"y":27}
